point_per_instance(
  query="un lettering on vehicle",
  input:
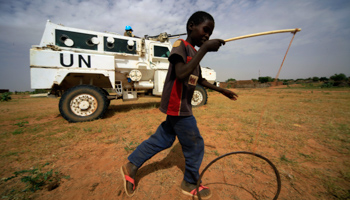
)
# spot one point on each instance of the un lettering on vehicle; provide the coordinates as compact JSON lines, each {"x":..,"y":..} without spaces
{"x":69,"y":60}
{"x":75,"y":60}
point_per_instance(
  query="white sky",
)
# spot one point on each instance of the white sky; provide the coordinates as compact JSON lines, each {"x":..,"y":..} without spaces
{"x":321,"y":49}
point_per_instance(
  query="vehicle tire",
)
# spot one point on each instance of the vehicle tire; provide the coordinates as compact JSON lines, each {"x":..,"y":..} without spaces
{"x":83,"y":103}
{"x":200,"y":97}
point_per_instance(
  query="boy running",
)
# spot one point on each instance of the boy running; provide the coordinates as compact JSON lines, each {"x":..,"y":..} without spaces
{"x":184,"y":74}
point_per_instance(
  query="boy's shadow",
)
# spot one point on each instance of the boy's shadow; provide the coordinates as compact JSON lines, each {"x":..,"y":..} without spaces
{"x":174,"y":158}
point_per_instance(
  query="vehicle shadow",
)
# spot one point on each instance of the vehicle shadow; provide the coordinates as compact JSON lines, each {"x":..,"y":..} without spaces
{"x":112,"y":109}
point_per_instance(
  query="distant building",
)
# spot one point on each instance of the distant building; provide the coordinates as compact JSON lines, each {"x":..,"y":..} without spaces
{"x":4,"y":90}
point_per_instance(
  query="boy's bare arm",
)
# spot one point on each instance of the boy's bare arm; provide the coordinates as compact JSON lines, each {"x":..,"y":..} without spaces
{"x":228,"y":93}
{"x":183,"y":70}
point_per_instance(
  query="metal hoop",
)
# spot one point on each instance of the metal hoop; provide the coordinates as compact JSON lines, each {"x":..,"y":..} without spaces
{"x":242,"y":152}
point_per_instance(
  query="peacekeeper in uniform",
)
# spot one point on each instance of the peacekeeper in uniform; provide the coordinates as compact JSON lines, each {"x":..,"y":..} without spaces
{"x":128,"y":31}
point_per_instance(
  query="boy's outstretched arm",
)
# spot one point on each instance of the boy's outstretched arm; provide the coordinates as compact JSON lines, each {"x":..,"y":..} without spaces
{"x":228,"y":93}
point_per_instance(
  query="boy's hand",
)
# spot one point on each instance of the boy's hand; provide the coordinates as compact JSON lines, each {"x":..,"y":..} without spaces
{"x":213,"y":45}
{"x":231,"y":95}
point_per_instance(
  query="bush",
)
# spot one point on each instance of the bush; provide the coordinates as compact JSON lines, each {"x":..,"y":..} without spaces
{"x":39,"y":91}
{"x":315,"y":79}
{"x":338,"y":77}
{"x":5,"y":96}
{"x":340,"y":84}
{"x":327,"y":85}
{"x":230,"y":79}
{"x":265,"y":79}
{"x":323,"y":79}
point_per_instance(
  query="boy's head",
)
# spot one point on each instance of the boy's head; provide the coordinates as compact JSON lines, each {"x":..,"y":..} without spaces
{"x":198,"y":18}
{"x":199,"y":28}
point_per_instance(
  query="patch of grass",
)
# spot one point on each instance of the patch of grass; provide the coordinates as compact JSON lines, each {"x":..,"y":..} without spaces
{"x":69,"y":135}
{"x":11,"y":153}
{"x":344,"y":128}
{"x":36,"y":178}
{"x":22,"y":117}
{"x":18,"y":131}
{"x":335,"y":190}
{"x":88,"y":129}
{"x":149,"y":133}
{"x":114,"y":141}
{"x":130,"y":146}
{"x":264,"y":135}
{"x":345,"y":174}
{"x":223,"y":127}
{"x":305,"y":155}
{"x":34,"y":129}
{"x":283,"y":158}
{"x":216,"y":153}
{"x":336,"y":132}
{"x":22,"y":123}
{"x":51,"y":133}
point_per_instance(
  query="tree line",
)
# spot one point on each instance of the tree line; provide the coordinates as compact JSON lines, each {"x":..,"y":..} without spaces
{"x":335,"y":80}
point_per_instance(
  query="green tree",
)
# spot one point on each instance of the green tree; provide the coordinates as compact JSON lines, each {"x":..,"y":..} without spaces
{"x":265,"y":79}
{"x":338,"y":77}
{"x":315,"y":79}
{"x":323,"y":79}
{"x":230,"y":79}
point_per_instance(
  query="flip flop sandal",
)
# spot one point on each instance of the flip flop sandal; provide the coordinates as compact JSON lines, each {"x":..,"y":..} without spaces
{"x":194,"y":192}
{"x":127,"y":179}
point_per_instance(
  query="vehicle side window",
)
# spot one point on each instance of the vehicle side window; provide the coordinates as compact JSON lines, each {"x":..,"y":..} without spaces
{"x":81,"y":40}
{"x":119,"y":46}
{"x":161,"y":51}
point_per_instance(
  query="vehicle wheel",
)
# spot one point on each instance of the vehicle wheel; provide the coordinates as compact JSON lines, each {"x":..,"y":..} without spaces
{"x":200,"y":96}
{"x":83,"y":103}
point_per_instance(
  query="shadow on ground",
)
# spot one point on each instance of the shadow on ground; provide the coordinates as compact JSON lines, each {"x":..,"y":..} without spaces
{"x":112,"y":109}
{"x":174,"y":158}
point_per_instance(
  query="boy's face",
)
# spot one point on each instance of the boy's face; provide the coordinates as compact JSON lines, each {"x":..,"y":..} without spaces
{"x":201,"y":32}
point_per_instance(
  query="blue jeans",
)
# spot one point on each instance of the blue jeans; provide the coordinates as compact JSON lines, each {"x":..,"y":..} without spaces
{"x":186,"y":130}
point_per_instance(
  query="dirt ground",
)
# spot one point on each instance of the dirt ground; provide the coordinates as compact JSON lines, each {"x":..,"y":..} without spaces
{"x":88,"y":155}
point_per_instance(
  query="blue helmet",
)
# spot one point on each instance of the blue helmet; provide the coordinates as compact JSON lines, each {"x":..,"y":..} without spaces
{"x":128,"y":28}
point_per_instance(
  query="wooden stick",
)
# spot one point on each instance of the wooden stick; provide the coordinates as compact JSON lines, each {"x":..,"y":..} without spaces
{"x":264,"y":33}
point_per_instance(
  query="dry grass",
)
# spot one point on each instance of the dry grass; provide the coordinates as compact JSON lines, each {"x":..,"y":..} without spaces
{"x":304,"y":132}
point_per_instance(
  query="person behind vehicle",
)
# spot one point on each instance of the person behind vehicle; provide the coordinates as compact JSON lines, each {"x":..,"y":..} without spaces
{"x":128,"y":31}
{"x":184,"y":73}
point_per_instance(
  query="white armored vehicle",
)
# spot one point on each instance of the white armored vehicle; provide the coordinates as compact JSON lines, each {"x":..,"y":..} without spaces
{"x":81,"y":66}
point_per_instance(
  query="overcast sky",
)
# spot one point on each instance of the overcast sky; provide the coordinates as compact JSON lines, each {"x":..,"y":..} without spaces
{"x":321,"y":49}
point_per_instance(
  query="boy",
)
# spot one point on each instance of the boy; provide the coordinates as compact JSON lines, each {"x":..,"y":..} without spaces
{"x":183,"y":74}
